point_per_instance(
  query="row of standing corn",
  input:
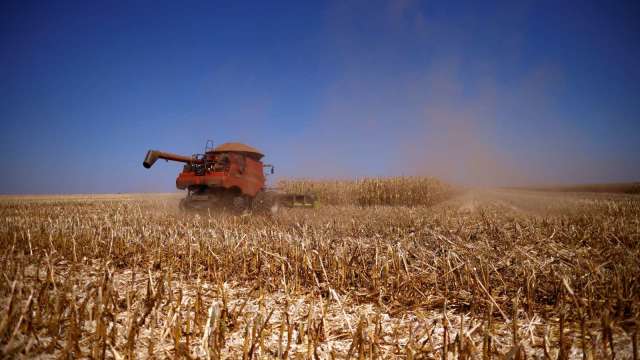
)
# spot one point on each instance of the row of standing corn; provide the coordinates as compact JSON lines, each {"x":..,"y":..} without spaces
{"x":401,"y":190}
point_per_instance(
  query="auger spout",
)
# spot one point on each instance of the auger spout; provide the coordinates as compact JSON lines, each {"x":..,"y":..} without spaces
{"x":153,"y":155}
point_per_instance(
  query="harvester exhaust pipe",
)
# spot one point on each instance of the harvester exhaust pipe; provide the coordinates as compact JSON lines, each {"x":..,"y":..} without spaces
{"x":150,"y":159}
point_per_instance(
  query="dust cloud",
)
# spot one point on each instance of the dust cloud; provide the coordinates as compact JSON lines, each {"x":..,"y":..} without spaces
{"x":457,"y":115}
{"x":417,"y":125}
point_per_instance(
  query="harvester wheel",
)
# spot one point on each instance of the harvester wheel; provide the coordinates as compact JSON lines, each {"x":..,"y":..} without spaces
{"x":183,"y":205}
{"x":240,"y":203}
{"x":266,"y":202}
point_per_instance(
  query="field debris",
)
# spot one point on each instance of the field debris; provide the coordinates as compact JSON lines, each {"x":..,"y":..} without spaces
{"x":475,"y":275}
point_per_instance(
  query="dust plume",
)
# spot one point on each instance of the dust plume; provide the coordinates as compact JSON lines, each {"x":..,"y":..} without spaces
{"x":457,"y":114}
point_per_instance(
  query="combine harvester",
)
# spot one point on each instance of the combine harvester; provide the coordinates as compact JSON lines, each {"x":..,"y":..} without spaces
{"x":230,"y":176}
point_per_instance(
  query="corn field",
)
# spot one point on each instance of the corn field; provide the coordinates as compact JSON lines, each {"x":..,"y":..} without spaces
{"x":397,"y":191}
{"x":454,"y":275}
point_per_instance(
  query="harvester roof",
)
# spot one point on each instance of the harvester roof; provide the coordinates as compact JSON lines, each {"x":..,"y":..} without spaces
{"x":238,"y":147}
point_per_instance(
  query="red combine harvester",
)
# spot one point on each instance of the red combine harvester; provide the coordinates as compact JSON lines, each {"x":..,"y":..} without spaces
{"x":230,"y":175}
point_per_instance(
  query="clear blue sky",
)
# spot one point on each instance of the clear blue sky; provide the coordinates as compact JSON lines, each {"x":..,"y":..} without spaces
{"x":501,"y":93}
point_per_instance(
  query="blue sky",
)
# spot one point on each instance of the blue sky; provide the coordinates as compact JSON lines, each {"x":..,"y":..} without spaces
{"x":489,"y":94}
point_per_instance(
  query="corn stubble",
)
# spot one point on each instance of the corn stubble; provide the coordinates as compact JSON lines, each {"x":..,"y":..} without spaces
{"x":368,"y":274}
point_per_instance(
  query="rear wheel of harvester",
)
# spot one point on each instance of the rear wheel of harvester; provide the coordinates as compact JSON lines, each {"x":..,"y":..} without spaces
{"x":240,"y":203}
{"x":188,"y":205}
{"x":266,"y":202}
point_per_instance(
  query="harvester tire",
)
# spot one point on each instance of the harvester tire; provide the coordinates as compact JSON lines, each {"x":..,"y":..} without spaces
{"x":266,"y":203}
{"x":183,"y":205}
{"x":240,"y":203}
